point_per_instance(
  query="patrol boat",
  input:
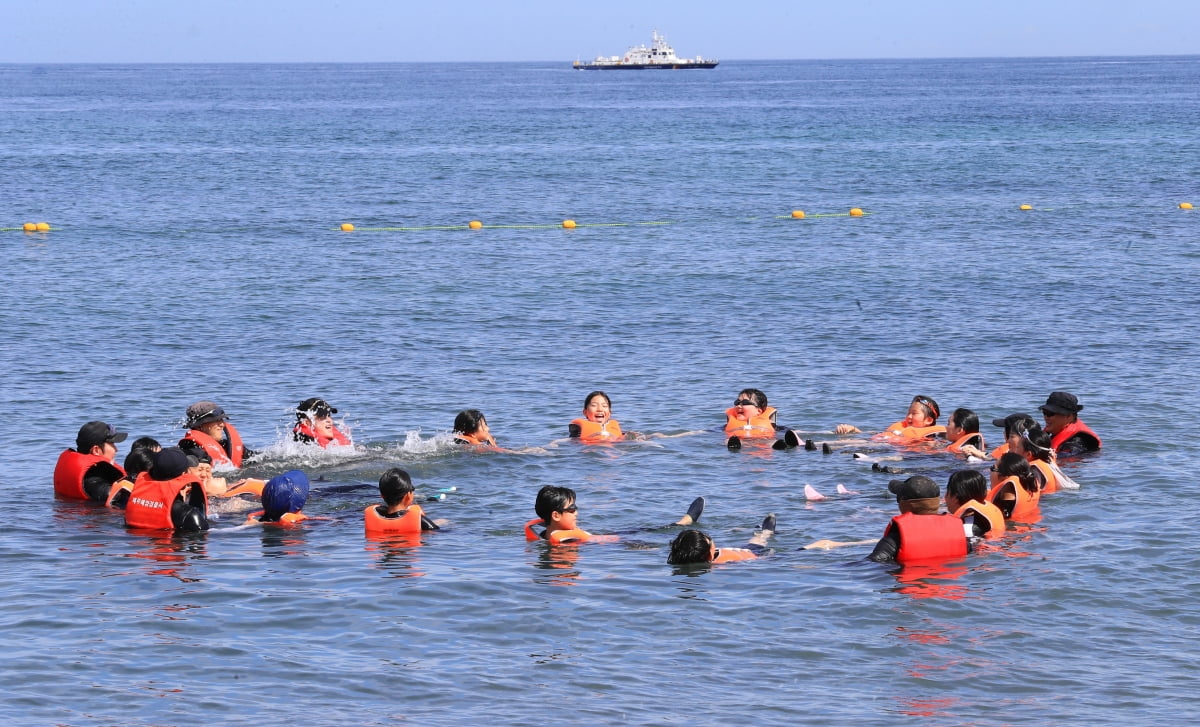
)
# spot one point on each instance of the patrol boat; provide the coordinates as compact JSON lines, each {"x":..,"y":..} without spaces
{"x":659,"y":55}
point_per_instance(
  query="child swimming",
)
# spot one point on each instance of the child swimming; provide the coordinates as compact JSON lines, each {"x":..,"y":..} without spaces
{"x":693,"y":546}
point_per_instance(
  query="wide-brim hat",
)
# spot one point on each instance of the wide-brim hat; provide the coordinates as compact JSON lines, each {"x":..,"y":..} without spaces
{"x":204,"y":412}
{"x":1061,"y":402}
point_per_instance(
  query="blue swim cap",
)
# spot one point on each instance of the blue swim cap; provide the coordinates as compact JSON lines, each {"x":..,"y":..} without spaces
{"x":284,"y":493}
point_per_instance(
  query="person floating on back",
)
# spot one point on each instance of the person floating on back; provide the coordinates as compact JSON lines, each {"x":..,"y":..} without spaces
{"x":557,"y":513}
{"x":749,"y":418}
{"x":919,"y":424}
{"x":693,"y":546}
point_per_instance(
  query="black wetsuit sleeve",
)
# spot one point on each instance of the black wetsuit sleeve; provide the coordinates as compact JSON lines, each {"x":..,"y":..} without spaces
{"x":574,"y":430}
{"x":1077,"y":444}
{"x":886,"y":549}
{"x":427,"y":524}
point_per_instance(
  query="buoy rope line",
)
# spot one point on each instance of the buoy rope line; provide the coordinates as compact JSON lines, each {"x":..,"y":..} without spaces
{"x":30,"y":227}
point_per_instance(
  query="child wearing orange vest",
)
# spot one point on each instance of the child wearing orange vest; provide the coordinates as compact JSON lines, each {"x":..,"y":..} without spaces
{"x":693,"y":546}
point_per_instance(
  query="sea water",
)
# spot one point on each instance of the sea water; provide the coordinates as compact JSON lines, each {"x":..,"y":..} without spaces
{"x":196,"y":254}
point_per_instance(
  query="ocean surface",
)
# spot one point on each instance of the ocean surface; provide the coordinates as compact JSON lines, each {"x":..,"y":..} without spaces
{"x":196,"y":254}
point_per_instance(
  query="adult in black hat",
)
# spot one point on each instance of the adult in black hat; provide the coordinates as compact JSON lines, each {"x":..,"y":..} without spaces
{"x":918,"y":533}
{"x":88,"y":471}
{"x":1068,"y":435}
{"x":209,"y":429}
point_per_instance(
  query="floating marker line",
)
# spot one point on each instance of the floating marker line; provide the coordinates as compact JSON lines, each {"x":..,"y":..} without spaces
{"x":829,"y":214}
{"x":503,"y":227}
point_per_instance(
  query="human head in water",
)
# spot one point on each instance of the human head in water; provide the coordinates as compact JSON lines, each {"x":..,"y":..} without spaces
{"x":283,"y":494}
{"x":960,"y":423}
{"x":922,"y":412}
{"x":964,"y":486}
{"x":394,"y":486}
{"x":749,"y":404}
{"x":473,"y":422}
{"x":692,"y":546}
{"x":554,"y":504}
{"x":314,"y":414}
{"x":597,"y":407}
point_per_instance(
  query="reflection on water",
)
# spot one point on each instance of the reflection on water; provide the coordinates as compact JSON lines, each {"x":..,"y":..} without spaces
{"x":396,"y":553}
{"x":561,"y":562}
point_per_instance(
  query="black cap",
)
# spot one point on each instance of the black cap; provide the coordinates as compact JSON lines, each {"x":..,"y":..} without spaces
{"x":1008,"y":421}
{"x":96,"y":433}
{"x":1060,"y":402}
{"x":917,"y":487}
{"x":315,"y":407}
{"x":169,"y":464}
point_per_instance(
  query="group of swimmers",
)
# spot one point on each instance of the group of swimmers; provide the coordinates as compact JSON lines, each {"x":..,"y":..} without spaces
{"x":169,"y":488}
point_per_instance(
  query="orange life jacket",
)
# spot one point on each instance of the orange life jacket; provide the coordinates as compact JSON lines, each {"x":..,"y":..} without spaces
{"x":926,"y":537}
{"x":1075,"y":427}
{"x":288,"y":518}
{"x":729,"y":555}
{"x":149,"y":505}
{"x":530,"y":533}
{"x":1000,"y":451}
{"x":377,"y":524}
{"x":1025,"y":508}
{"x":121,"y":485}
{"x":250,"y":487}
{"x":71,"y":469}
{"x":900,"y":432}
{"x":989,"y":512}
{"x":307,"y":433}
{"x":1046,"y":476}
{"x":214,"y":448}
{"x":957,"y":445}
{"x":760,"y":426}
{"x":560,"y":537}
{"x":590,"y":431}
{"x":474,"y":439}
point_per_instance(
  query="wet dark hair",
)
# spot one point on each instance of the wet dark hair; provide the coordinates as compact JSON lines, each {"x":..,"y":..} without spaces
{"x":931,"y":406}
{"x":139,"y":460}
{"x":966,"y":420}
{"x":551,"y":499}
{"x":967,"y":485}
{"x":588,"y":399}
{"x":394,"y":485}
{"x":1015,"y":465}
{"x":690,"y":546}
{"x":1019,"y":426}
{"x":757,"y":396}
{"x":468,"y":421}
{"x":1036,"y":442}
{"x":149,"y":443}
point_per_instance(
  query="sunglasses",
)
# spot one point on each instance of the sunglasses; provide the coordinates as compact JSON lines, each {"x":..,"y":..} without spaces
{"x":744,"y":402}
{"x":572,"y":508}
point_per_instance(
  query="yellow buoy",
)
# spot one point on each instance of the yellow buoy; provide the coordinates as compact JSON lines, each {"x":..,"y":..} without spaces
{"x":798,"y":214}
{"x":568,"y":224}
{"x":347,"y":227}
{"x":1027,"y":207}
{"x":29,"y":227}
{"x":856,"y":212}
{"x":43,"y":227}
{"x":475,"y":224}
{"x":1185,"y":205}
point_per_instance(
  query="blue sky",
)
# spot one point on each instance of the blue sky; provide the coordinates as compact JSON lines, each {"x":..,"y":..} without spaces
{"x":146,"y":31}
